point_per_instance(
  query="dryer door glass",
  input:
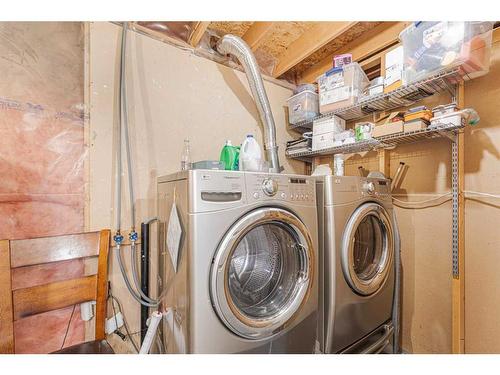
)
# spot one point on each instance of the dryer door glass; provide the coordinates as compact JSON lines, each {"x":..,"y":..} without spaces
{"x":368,"y":248}
{"x":262,"y":272}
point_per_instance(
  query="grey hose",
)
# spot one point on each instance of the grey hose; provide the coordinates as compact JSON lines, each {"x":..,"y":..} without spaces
{"x":233,"y":45}
{"x":396,"y":308}
{"x":134,"y":294}
{"x":135,"y":277}
{"x":123,"y":102}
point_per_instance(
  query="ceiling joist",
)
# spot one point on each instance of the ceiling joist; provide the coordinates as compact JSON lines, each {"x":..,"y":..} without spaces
{"x":197,"y":33}
{"x":377,"y":39}
{"x":308,"y":43}
{"x":256,"y":34}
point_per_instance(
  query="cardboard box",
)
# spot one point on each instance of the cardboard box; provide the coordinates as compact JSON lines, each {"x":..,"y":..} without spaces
{"x":386,"y":118}
{"x":333,"y":124}
{"x":393,"y":74}
{"x":322,"y":141}
{"x":392,"y":87}
{"x":420,"y":115}
{"x":388,"y":128}
{"x":415,"y":125}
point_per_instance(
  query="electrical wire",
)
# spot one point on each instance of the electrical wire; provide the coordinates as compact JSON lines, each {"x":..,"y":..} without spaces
{"x":125,"y":324}
{"x":67,"y":328}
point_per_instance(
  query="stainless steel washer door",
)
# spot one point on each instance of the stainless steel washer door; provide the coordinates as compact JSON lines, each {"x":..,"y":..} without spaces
{"x":367,"y":249}
{"x":262,"y":272}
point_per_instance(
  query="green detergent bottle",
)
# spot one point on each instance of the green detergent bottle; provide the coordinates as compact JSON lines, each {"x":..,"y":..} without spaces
{"x":229,"y":156}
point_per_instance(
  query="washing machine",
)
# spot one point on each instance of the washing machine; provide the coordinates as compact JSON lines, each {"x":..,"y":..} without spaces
{"x":357,"y":249}
{"x":238,"y":262}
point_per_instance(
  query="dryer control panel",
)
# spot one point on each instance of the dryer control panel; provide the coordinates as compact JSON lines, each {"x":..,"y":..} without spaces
{"x":375,"y":187}
{"x":287,"y":188}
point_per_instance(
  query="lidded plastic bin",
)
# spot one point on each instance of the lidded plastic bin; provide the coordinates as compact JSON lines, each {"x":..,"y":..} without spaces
{"x":431,"y":46}
{"x":341,"y":87}
{"x":302,"y":106}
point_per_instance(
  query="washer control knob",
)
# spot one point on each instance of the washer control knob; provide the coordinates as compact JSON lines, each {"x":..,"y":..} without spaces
{"x":370,"y":187}
{"x":270,"y":187}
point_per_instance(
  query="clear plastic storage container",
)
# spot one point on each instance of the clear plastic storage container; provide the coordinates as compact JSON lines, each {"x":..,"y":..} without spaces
{"x":432,"y":46}
{"x":341,"y":87}
{"x":302,"y":106}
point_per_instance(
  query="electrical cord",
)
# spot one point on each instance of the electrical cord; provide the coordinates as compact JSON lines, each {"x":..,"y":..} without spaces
{"x":125,"y":324}
{"x":481,"y":193}
{"x":67,"y":328}
{"x":423,"y":201}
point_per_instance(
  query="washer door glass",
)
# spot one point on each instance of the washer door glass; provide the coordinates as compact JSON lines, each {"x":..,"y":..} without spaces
{"x":262,"y":272}
{"x":368,"y":248}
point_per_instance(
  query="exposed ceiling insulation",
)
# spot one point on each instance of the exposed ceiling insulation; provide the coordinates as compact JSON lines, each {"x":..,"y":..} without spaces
{"x":328,"y":50}
{"x":283,"y":49}
{"x":236,"y":28}
{"x":282,"y":35}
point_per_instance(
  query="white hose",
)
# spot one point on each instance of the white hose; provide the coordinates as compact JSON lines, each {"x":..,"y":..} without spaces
{"x":154,"y":321}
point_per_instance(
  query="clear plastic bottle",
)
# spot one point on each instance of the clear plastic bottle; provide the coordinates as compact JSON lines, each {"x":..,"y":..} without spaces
{"x":186,"y":156}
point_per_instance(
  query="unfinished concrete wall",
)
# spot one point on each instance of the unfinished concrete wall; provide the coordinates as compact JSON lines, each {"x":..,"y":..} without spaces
{"x":173,"y":95}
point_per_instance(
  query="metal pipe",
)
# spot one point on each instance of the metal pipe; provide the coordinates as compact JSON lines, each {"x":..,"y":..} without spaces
{"x":144,"y":276}
{"x":397,"y":176}
{"x":235,"y":46}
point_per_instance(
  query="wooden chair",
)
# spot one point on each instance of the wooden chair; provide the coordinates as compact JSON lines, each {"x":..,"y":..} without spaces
{"x":20,"y":303}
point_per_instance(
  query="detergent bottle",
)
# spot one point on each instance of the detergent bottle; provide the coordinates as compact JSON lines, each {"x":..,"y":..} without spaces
{"x":250,"y":155}
{"x":229,"y":156}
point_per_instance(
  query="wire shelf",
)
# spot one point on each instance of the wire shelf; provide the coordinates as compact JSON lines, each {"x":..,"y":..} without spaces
{"x":444,"y":80}
{"x":386,"y":141}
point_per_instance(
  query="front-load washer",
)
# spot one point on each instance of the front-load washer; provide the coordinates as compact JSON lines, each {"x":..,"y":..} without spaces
{"x":357,"y":274}
{"x":238,"y":262}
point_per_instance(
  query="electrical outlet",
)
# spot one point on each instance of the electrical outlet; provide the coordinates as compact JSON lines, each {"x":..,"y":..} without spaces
{"x":113,"y":323}
{"x":86,"y":311}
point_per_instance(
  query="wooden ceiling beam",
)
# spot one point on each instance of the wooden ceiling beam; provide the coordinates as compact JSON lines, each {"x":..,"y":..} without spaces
{"x":368,"y":44}
{"x":255,"y":35}
{"x":308,"y":43}
{"x":197,"y":33}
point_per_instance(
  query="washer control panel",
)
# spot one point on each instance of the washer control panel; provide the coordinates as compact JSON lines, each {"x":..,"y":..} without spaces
{"x":281,"y":187}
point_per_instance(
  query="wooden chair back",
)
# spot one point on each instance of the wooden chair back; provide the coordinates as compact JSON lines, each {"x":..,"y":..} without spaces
{"x":23,"y":302}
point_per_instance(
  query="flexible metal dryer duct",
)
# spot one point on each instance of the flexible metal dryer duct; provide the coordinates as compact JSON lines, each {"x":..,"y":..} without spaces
{"x":235,"y":46}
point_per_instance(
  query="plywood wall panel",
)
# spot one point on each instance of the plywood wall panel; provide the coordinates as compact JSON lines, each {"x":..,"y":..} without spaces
{"x":482,"y":215}
{"x":172,"y":95}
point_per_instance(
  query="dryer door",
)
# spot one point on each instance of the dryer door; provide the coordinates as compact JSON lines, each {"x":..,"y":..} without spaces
{"x":367,"y":248}
{"x":262,"y":272}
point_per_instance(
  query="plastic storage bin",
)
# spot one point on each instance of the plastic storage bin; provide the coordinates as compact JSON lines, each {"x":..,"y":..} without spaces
{"x":431,"y":46}
{"x":341,"y":87}
{"x":302,"y":106}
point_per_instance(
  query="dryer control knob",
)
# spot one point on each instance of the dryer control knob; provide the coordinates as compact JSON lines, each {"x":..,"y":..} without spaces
{"x":270,"y":187}
{"x":370,"y":187}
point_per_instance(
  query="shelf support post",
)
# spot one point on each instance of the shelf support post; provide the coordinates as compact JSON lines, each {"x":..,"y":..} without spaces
{"x":458,"y":235}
